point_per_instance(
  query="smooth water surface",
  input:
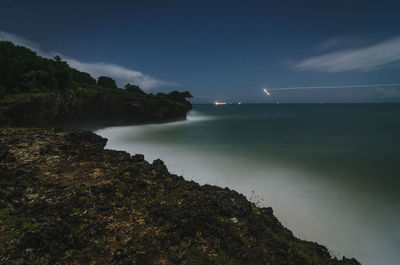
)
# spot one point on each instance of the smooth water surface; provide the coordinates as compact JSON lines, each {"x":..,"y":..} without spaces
{"x":331,"y":172}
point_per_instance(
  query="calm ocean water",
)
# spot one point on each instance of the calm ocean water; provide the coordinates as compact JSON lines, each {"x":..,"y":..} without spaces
{"x":331,"y":172}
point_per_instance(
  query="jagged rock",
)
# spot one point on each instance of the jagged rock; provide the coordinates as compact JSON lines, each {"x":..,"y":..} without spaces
{"x":66,"y":200}
{"x":159,"y":166}
{"x":3,"y":151}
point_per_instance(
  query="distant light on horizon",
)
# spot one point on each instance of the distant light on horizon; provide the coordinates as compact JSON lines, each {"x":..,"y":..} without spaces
{"x":216,"y":103}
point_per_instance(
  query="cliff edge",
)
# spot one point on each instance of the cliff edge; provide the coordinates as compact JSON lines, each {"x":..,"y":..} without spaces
{"x":64,"y":199}
{"x":71,"y":110}
{"x":42,"y":92}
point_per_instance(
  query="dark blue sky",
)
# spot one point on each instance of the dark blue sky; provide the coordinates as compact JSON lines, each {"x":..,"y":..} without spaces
{"x":224,"y":50}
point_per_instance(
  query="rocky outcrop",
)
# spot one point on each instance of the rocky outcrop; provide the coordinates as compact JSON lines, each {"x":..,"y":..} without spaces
{"x":64,"y":199}
{"x":68,"y":109}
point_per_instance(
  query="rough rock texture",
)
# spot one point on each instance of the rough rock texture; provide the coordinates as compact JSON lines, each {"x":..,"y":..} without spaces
{"x":67,"y":109}
{"x":64,"y":199}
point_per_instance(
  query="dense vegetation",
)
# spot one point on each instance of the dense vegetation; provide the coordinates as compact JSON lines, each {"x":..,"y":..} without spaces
{"x":23,"y":71}
{"x":36,"y":91}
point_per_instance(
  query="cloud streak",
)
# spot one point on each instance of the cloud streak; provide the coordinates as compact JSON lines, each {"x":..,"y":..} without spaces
{"x":369,"y":58}
{"x":121,"y":74}
{"x":6,"y":36}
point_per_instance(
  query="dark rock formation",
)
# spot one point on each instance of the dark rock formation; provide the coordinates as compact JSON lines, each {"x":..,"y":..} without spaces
{"x":66,"y":200}
{"x":70,"y":110}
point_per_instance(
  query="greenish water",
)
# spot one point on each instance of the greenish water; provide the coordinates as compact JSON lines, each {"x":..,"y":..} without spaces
{"x":330,"y":171}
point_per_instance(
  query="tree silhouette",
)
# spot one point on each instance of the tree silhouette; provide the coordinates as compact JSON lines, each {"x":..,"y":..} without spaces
{"x":134,"y":89}
{"x":106,"y":82}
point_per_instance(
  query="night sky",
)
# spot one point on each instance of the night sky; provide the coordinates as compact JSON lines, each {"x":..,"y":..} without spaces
{"x":222,"y":50}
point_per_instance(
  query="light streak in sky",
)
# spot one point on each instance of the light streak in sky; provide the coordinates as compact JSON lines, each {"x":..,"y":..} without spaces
{"x":322,"y":87}
{"x":266,"y":92}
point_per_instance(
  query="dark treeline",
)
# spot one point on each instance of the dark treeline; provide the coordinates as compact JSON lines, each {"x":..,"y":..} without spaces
{"x":23,"y":71}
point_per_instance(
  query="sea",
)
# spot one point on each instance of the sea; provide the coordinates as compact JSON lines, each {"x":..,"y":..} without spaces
{"x":331,"y":172}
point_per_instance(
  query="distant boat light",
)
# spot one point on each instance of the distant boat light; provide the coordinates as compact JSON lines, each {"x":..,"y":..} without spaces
{"x":216,"y":103}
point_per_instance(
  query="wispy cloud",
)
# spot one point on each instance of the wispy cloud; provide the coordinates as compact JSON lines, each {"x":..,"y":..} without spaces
{"x":337,"y":43}
{"x":368,"y":58}
{"x":121,"y":74}
{"x":16,"y":39}
{"x":330,"y":43}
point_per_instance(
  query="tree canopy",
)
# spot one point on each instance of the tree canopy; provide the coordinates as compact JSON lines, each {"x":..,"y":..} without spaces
{"x":106,"y":82}
{"x":180,"y":95}
{"x":23,"y":71}
{"x":134,"y":89}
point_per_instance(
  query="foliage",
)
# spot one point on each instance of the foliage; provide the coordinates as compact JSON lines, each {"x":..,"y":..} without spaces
{"x":134,"y":89}
{"x":23,"y":71}
{"x":86,"y":93}
{"x":179,"y":96}
{"x":2,"y":91}
{"x":106,"y":82}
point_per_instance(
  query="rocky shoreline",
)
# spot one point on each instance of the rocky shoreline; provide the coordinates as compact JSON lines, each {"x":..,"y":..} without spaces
{"x":70,"y":110}
{"x":67,"y":200}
